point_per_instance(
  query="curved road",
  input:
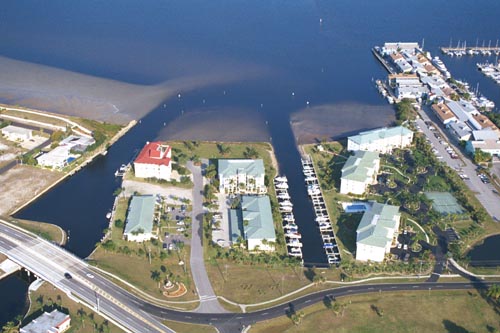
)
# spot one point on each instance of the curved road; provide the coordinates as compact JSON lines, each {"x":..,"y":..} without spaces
{"x":51,"y":262}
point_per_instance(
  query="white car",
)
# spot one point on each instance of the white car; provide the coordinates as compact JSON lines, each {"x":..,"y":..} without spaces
{"x":405,"y":247}
{"x":181,"y":229}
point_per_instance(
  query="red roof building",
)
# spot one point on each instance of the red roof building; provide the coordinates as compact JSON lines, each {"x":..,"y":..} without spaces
{"x":154,"y":161}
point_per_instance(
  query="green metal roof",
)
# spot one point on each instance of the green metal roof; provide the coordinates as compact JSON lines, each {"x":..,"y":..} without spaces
{"x":140,"y":214}
{"x":233,"y":167}
{"x":235,"y":224}
{"x":355,"y":168}
{"x":378,"y":134}
{"x":372,"y":229}
{"x":257,"y":211}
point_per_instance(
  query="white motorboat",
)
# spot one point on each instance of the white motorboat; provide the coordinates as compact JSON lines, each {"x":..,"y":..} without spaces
{"x":281,"y":179}
{"x":294,"y":242}
{"x":295,"y":235}
{"x":286,"y":209}
{"x":295,"y":252}
{"x":281,"y":185}
{"x":286,"y":203}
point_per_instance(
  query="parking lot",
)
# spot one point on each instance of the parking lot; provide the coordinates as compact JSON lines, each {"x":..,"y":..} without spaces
{"x":173,"y":233}
{"x":466,"y":169}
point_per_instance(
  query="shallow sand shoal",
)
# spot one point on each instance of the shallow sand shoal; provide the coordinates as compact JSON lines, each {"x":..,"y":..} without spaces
{"x":335,"y":121}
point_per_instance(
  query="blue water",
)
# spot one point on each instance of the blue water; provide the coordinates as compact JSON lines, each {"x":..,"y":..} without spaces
{"x":275,"y":46}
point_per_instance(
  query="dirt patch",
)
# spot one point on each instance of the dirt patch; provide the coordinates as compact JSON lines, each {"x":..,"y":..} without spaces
{"x":22,"y":183}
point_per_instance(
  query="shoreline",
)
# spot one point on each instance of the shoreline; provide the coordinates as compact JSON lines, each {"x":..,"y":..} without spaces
{"x":96,"y":153}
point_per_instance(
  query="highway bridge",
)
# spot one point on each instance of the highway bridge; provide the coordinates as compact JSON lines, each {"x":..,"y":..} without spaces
{"x":51,"y":262}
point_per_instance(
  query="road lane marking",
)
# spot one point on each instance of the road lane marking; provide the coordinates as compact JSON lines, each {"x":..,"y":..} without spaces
{"x":265,"y":313}
{"x":307,"y":301}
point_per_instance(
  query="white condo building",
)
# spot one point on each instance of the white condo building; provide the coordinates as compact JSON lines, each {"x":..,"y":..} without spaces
{"x":244,"y":176}
{"x":154,"y":161}
{"x":359,"y":171}
{"x":382,"y":140}
{"x":376,"y":232}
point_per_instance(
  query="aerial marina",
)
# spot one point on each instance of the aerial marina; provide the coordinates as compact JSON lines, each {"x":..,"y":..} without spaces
{"x":292,"y":235}
{"x":322,"y":219}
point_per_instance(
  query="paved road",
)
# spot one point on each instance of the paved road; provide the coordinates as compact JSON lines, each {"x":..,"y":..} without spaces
{"x":208,"y":299}
{"x":484,"y":192}
{"x":51,"y":262}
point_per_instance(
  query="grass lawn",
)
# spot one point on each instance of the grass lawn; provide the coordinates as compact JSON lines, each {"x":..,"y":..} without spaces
{"x":188,"y":328}
{"x":83,"y":320}
{"x":130,"y":261}
{"x":248,"y":284}
{"x":459,"y":311}
{"x":47,"y":231}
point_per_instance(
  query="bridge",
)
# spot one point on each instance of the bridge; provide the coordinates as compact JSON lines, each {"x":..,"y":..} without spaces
{"x":51,"y":262}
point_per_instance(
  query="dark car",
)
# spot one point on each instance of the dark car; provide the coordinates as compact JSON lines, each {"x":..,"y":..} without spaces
{"x":67,"y":275}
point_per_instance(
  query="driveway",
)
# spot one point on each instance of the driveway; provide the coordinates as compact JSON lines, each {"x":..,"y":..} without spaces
{"x":208,"y":299}
{"x":483,"y":192}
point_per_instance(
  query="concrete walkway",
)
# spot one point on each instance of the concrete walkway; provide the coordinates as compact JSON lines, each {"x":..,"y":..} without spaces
{"x":208,"y":299}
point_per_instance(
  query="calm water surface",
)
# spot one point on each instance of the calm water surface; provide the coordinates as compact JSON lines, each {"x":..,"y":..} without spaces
{"x":272,"y":48}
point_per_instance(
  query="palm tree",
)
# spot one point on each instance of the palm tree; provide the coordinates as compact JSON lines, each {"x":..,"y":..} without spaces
{"x":494,"y":292}
{"x":156,"y":276}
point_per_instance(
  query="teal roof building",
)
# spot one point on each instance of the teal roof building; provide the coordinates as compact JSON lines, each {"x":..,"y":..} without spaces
{"x":253,"y":222}
{"x":382,"y":140}
{"x":376,"y":231}
{"x":139,"y":223}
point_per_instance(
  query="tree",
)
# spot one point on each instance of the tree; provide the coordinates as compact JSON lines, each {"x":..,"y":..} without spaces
{"x":494,"y":292}
{"x":211,"y":171}
{"x":156,"y":276}
{"x":251,"y":152}
{"x":223,"y":149}
{"x":57,"y":136}
{"x":481,"y":156}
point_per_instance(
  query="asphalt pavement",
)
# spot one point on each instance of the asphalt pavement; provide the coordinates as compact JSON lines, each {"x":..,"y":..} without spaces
{"x":50,"y":262}
{"x":208,"y":300}
{"x":463,"y":165}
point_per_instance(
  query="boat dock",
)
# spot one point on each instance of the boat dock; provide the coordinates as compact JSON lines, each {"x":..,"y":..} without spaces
{"x":384,"y":63}
{"x":322,"y":219}
{"x":462,"y":49}
{"x":490,"y":70}
{"x":292,"y":235}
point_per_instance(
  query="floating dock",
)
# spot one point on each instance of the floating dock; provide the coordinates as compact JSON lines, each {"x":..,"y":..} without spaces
{"x":322,"y":219}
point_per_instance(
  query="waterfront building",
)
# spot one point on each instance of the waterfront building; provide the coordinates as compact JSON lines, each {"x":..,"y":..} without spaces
{"x":359,"y":171}
{"x":16,"y":133}
{"x":253,"y":222}
{"x":140,"y":215}
{"x":390,"y":48}
{"x":443,"y":112}
{"x":57,"y":158}
{"x":77,"y":143}
{"x":243,"y":176}
{"x":488,"y":146}
{"x":376,"y":232}
{"x":53,"y":322}
{"x":407,"y":86}
{"x":383,"y":140}
{"x":154,"y":161}
{"x":460,"y":130}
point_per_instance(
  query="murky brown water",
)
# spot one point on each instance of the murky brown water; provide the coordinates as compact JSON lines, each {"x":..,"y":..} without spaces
{"x":334,"y":121}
